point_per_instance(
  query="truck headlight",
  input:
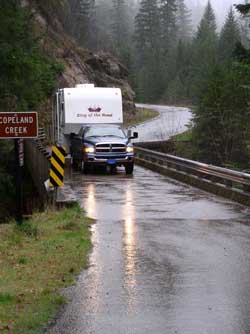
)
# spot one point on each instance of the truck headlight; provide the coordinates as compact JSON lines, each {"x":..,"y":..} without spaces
{"x":89,"y":149}
{"x":130,"y":149}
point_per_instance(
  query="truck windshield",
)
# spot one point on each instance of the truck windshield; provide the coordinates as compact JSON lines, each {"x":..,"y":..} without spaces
{"x":102,"y":131}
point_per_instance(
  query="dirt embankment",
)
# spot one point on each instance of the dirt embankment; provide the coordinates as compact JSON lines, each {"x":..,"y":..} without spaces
{"x":80,"y":65}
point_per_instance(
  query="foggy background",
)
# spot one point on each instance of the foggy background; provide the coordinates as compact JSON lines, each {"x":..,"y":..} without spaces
{"x":221,"y":8}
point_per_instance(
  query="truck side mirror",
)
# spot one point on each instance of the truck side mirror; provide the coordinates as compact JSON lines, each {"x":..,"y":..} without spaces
{"x":135,"y":136}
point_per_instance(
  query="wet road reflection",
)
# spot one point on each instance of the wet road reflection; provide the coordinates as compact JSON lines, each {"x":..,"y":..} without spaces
{"x":167,"y":258}
{"x":129,"y":247}
{"x":91,"y":200}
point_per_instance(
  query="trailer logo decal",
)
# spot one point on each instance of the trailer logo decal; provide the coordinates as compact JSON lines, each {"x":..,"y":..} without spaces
{"x":94,"y":109}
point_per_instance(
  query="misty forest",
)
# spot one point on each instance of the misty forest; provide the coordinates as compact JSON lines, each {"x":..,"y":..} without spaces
{"x":176,"y":54}
{"x":179,"y":55}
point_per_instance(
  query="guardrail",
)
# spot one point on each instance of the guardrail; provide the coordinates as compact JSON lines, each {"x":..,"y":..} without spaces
{"x":225,"y":182}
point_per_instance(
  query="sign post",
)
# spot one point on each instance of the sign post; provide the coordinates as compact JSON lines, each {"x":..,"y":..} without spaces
{"x":19,"y":182}
{"x":18,"y":126}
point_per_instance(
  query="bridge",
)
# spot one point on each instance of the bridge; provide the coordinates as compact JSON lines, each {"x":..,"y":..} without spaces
{"x":167,"y":257}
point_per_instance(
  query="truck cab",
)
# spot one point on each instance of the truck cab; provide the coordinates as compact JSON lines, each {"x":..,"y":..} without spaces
{"x":102,"y":145}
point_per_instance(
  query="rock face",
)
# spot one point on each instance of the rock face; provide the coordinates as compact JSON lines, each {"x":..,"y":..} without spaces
{"x":101,"y":69}
{"x":80,"y":65}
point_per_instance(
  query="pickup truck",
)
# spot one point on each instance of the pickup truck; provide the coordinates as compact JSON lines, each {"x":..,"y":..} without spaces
{"x":102,"y":145}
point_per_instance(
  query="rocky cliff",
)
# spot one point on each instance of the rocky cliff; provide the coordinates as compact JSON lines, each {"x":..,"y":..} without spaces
{"x":80,"y":65}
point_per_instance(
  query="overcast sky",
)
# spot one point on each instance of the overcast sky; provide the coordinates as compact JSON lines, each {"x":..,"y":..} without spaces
{"x":221,"y":7}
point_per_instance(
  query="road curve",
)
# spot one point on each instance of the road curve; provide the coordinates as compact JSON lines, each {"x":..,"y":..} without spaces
{"x":172,"y":120}
{"x":167,"y":259}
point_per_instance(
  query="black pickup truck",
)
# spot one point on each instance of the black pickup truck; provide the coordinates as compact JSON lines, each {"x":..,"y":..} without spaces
{"x":106,"y":145}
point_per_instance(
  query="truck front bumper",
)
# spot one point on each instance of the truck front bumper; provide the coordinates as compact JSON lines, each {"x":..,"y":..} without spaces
{"x":103,"y":160}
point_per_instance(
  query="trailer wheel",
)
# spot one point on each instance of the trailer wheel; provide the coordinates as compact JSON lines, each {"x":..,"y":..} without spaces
{"x":129,"y":168}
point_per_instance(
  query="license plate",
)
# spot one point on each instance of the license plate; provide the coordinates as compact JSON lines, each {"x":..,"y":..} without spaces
{"x":111,"y":162}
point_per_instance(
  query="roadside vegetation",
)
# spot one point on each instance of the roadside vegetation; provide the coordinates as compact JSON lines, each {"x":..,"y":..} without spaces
{"x":37,"y":259}
{"x":141,"y":115}
{"x":184,"y":136}
{"x":27,"y":78}
{"x":183,"y":145}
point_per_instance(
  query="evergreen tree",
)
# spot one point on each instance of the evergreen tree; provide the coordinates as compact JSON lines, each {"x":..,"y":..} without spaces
{"x":229,"y":37}
{"x":147,"y":27}
{"x":147,"y":32}
{"x":184,"y":21}
{"x":83,"y":19}
{"x":120,"y":24}
{"x":244,"y":9}
{"x":175,"y":27}
{"x":207,"y":27}
{"x":205,"y":55}
{"x":178,"y":88}
{"x":168,"y":9}
{"x":120,"y":31}
{"x":102,"y":27}
{"x":221,"y":128}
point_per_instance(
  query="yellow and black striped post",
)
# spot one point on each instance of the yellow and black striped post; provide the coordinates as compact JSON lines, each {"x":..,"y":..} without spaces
{"x":56,"y":173}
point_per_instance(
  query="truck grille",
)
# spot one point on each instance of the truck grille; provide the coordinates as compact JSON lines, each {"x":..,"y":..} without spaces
{"x":110,"y":148}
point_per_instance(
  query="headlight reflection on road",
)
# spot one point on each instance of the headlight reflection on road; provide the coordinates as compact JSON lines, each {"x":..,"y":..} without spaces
{"x":91,"y":201}
{"x":129,"y":244}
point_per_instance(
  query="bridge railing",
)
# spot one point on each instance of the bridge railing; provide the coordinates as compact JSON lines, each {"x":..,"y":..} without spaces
{"x":37,"y":157}
{"x":38,"y":162}
{"x":235,"y":185}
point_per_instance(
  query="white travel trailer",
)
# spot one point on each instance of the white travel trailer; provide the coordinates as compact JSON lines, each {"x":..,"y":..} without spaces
{"x":82,"y":106}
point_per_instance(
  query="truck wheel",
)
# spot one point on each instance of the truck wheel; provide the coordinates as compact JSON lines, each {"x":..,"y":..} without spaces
{"x":129,"y":168}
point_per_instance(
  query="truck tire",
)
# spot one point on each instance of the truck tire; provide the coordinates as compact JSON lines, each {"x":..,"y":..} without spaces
{"x":129,"y":168}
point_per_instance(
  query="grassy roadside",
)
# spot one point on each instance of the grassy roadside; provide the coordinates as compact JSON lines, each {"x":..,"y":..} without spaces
{"x":142,"y":115}
{"x":37,"y":260}
{"x":184,"y":136}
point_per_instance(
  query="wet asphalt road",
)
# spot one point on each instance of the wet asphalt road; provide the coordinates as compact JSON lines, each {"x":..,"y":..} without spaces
{"x":167,"y":259}
{"x":172,"y":120}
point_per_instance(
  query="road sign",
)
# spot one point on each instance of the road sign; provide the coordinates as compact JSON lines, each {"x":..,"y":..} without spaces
{"x":57,"y":166}
{"x":18,"y":125}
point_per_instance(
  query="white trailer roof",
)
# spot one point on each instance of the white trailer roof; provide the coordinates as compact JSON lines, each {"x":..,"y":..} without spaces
{"x":92,"y":105}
